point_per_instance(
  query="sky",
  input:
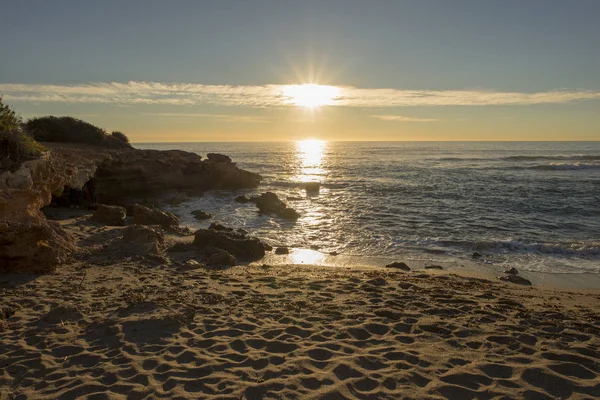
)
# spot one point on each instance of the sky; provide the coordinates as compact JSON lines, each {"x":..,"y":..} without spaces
{"x":193,"y":71}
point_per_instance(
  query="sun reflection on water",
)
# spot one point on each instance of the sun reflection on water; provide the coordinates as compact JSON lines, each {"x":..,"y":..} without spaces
{"x":310,"y":154}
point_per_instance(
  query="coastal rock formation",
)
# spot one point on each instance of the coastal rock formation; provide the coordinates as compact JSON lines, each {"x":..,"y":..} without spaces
{"x":269,"y":203}
{"x":218,"y":157}
{"x":312,"y":187}
{"x":519,"y":280}
{"x":238,"y":244}
{"x":143,"y":215}
{"x":78,"y":174}
{"x":110,"y":215}
{"x":33,"y":247}
{"x":144,"y":240}
{"x":242,"y":199}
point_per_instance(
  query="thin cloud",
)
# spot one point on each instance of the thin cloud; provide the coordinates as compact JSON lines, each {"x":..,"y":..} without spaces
{"x":262,"y":96}
{"x":223,"y":117}
{"x":401,"y":118}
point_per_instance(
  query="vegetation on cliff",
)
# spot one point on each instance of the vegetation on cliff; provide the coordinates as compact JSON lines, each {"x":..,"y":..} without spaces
{"x":16,"y":145}
{"x":72,"y":130}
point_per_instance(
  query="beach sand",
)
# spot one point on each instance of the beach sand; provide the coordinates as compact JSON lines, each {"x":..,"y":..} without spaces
{"x":146,"y":327}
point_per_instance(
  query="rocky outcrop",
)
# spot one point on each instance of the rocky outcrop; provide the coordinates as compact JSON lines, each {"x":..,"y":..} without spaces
{"x":110,"y":215}
{"x":144,"y":240}
{"x":218,"y":157}
{"x":33,"y":247}
{"x":148,"y":216}
{"x":76,"y":174}
{"x":240,"y":245}
{"x":136,"y":173}
{"x":269,"y":203}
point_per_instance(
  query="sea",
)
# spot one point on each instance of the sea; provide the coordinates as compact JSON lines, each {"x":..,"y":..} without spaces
{"x":531,"y":205}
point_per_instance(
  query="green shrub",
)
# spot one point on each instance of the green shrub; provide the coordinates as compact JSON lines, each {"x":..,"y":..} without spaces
{"x":72,"y":130}
{"x":16,"y":145}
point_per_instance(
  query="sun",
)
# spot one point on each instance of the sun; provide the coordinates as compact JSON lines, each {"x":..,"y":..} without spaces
{"x":310,"y":95}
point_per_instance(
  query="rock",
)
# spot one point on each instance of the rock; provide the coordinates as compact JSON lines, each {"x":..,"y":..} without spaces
{"x":240,"y":245}
{"x":219,"y":227}
{"x":191,"y":265}
{"x":242,"y":231}
{"x":144,"y":240}
{"x":242,"y":199}
{"x":434,"y":267}
{"x":282,"y":250}
{"x":312,"y":187}
{"x":109,"y":215}
{"x":33,"y":248}
{"x":476,"y":255}
{"x":147,"y":216}
{"x":515,"y":279}
{"x":179,"y":230}
{"x":334,"y":253}
{"x":269,"y":203}
{"x":199,"y":214}
{"x":398,"y":265}
{"x":512,"y":271}
{"x":222,"y":258}
{"x":218,"y":157}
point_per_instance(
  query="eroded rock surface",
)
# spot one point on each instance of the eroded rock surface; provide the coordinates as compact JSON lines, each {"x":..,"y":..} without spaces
{"x":110,"y":215}
{"x":240,"y":245}
{"x":143,"y":215}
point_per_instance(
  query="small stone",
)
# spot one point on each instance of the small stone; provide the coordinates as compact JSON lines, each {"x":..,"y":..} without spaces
{"x":476,"y":255}
{"x":242,"y":199}
{"x":398,"y":265}
{"x":512,"y":271}
{"x":515,"y":279}
{"x":199,"y":214}
{"x":222,"y":258}
{"x":334,"y":253}
{"x":191,"y":265}
{"x":434,"y":267}
{"x":282,"y":250}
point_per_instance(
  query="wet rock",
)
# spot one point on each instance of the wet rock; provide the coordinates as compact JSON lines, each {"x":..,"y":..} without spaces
{"x":147,"y":216}
{"x":219,"y":227}
{"x":515,"y":279}
{"x":312,"y":187}
{"x":222,"y":258}
{"x":269,"y":203}
{"x":476,"y":255}
{"x":334,"y":253}
{"x":242,"y":246}
{"x":434,"y":267}
{"x":144,"y":240}
{"x":242,"y":199}
{"x":282,"y":250}
{"x":218,"y":157}
{"x":511,"y":271}
{"x":201,"y":215}
{"x":109,"y":215}
{"x":33,"y":248}
{"x":398,"y":265}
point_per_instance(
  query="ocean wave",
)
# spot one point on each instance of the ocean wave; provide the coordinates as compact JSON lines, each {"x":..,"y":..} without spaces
{"x":562,"y":166}
{"x":577,"y":157}
{"x":569,"y":249}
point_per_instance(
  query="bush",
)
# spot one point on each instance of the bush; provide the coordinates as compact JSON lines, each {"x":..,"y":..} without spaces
{"x":16,"y":145}
{"x":120,"y":135}
{"x":72,"y":130}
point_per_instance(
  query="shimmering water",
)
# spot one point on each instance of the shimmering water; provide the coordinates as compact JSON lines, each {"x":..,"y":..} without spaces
{"x":532,"y":205}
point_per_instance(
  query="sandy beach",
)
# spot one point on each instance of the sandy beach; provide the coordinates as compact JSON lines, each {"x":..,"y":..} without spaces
{"x":109,"y":325}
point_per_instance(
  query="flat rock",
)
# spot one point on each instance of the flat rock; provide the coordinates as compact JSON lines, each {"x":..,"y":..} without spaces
{"x":143,"y":215}
{"x":109,"y":215}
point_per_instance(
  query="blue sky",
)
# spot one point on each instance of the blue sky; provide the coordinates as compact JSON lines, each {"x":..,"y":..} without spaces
{"x":474,"y":47}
